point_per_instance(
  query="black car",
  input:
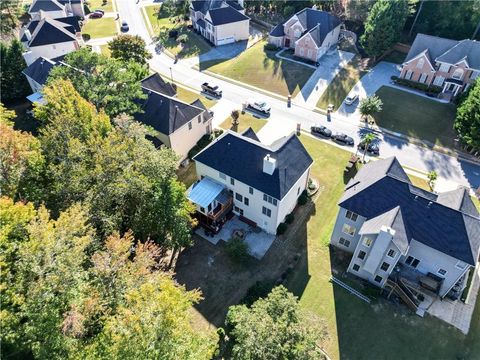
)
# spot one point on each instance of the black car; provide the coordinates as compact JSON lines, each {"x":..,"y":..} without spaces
{"x":321,"y":130}
{"x":343,"y":139}
{"x":372,"y":148}
{"x":124,"y":27}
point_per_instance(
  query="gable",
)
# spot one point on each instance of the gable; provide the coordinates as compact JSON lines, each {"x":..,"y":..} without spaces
{"x":307,"y":38}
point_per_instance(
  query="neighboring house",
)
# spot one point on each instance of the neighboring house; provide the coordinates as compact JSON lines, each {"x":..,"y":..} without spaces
{"x":56,"y":8}
{"x":310,"y":32}
{"x":398,"y":233}
{"x":37,"y":72}
{"x":220,"y":22}
{"x":178,"y":125}
{"x":450,"y":64}
{"x":50,"y":38}
{"x":262,"y":183}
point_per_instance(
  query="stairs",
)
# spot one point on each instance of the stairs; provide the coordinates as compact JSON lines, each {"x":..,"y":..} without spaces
{"x":402,"y":291}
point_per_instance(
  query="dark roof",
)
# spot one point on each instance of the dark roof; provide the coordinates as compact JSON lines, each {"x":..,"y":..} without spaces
{"x":226,"y":15}
{"x":50,"y":31}
{"x":45,"y":5}
{"x":278,"y":30}
{"x":234,"y":4}
{"x":242,"y":158}
{"x":201,"y":23}
{"x":427,"y":220}
{"x":458,"y":199}
{"x":165,"y":114}
{"x":69,"y":20}
{"x":468,"y":50}
{"x":205,"y":5}
{"x":199,"y":104}
{"x":39,"y":70}
{"x":156,"y":83}
{"x":250,"y":133}
{"x":318,"y":23}
{"x":433,"y":46}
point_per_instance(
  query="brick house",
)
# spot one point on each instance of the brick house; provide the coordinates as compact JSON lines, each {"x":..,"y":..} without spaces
{"x":450,"y":64}
{"x":310,"y":32}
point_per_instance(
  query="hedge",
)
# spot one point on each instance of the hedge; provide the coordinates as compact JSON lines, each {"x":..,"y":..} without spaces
{"x":270,"y":47}
{"x":416,"y":85}
{"x":282,"y":227}
{"x":203,"y":142}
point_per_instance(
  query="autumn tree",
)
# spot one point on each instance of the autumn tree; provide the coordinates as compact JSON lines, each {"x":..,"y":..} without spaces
{"x":129,"y":48}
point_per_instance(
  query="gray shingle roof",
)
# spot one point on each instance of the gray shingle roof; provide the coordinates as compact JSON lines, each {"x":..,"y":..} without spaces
{"x":50,"y":31}
{"x":199,"y":104}
{"x":226,"y":15}
{"x":242,"y":158}
{"x":156,"y":83}
{"x":458,"y":199}
{"x":468,"y":50}
{"x":310,"y":20}
{"x":278,"y":30}
{"x":45,"y":5}
{"x":426,"y":220}
{"x":205,"y":5}
{"x":250,"y":133}
{"x":434,"y":45}
{"x":39,"y":70}
{"x":69,"y":21}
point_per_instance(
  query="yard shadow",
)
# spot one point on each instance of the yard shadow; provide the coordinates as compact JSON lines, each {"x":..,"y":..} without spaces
{"x":219,"y":54}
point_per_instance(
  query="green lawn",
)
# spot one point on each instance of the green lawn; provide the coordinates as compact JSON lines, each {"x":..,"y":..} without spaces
{"x":99,"y":28}
{"x":245,"y":121}
{"x":187,"y":174}
{"x":261,"y":68}
{"x":358,"y":330}
{"x":105,"y":5}
{"x":162,"y":22}
{"x":416,"y":116}
{"x":343,"y":83}
{"x":105,"y":50}
{"x":190,"y":96}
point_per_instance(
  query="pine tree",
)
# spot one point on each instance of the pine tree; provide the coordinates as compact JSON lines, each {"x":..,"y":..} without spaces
{"x":14,"y":85}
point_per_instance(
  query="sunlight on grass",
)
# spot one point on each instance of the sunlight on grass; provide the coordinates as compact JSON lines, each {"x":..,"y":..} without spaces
{"x":99,"y":28}
{"x":105,"y":5}
{"x":190,"y":96}
{"x":245,"y":121}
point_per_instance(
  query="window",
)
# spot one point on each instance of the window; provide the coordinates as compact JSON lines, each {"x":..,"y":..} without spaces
{"x":474,"y":75}
{"x":209,"y":207}
{"x":412,"y":261}
{"x":356,"y":267}
{"x":250,"y":190}
{"x":222,"y":176}
{"x":269,"y":199}
{"x":298,"y":191}
{"x":461,"y":265}
{"x":367,"y":242}
{"x":297,"y":33}
{"x":202,"y":210}
{"x":423,"y":78}
{"x":239,"y":197}
{"x":458,"y":74}
{"x":349,"y":230}
{"x":232,"y":181}
{"x":344,"y":242}
{"x":385,"y":266}
{"x":420,"y":63}
{"x":266,"y":211}
{"x":199,"y":119}
{"x":246,"y":201}
{"x":442,"y":272}
{"x":351,"y":215}
{"x":391,"y":253}
{"x":438,"y":80}
{"x":378,"y":279}
{"x":238,"y":210}
{"x":361,"y":254}
{"x":444,"y":68}
{"x":190,"y":125}
{"x":409,"y":74}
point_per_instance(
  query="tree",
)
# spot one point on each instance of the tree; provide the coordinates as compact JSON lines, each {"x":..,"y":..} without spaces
{"x":235,"y":116}
{"x":367,"y":139}
{"x":273,"y":328}
{"x":384,"y":25}
{"x":108,"y":84}
{"x":9,"y":12}
{"x":432,"y":177}
{"x":357,"y":10}
{"x":369,"y":106}
{"x":14,"y":85}
{"x":467,"y":120}
{"x":6,"y":116}
{"x":129,"y":48}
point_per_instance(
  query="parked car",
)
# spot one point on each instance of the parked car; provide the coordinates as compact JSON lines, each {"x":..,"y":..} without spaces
{"x":321,"y":130}
{"x":343,"y":139}
{"x":372,"y":148}
{"x":95,"y":15}
{"x":124,"y":27}
{"x":260,"y":106}
{"x":99,"y":11}
{"x":211,"y":89}
{"x":350,"y":99}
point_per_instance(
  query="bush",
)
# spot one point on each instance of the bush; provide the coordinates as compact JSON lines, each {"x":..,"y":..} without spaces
{"x":86,"y":37}
{"x":434,"y":89}
{"x":303,"y":198}
{"x":203,"y":142}
{"x":217,"y":132}
{"x":173,"y":34}
{"x":259,"y":290}
{"x":182,"y":38}
{"x":289,"y":218}
{"x":270,"y":47}
{"x":237,"y":250}
{"x":282,"y":227}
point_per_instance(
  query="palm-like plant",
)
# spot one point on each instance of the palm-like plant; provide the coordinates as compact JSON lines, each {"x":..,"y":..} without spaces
{"x":367,"y":139}
{"x":369,"y":106}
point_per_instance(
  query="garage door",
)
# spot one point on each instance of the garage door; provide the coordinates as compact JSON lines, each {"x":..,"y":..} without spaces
{"x":227,"y":40}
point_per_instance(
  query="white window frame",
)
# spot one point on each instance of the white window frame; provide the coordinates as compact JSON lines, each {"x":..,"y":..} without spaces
{"x":423,"y":78}
{"x":351,"y":228}
{"x":409,"y":74}
{"x":438,"y":81}
{"x":444,"y":68}
{"x":458,"y":71}
{"x":440,"y":270}
{"x":393,"y":255}
{"x":344,"y":242}
{"x":459,"y":266}
{"x":420,"y":63}
{"x":351,"y":215}
{"x":367,"y":242}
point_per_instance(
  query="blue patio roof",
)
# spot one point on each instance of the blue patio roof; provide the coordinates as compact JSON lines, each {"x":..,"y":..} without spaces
{"x":204,"y":192}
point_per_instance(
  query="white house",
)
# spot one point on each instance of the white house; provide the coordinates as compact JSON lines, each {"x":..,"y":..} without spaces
{"x":261,"y":183}
{"x":56,"y":8}
{"x":400,"y":234}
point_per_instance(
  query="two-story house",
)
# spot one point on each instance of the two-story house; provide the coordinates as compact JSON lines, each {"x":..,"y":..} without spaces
{"x":396,"y":231}
{"x":450,"y":64}
{"x":310,"y":32}
{"x":262,"y":183}
{"x":220,"y":22}
{"x":177,"y":125}
{"x":56,"y":8}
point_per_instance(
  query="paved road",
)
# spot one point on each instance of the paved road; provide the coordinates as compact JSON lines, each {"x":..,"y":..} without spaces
{"x":283,"y":119}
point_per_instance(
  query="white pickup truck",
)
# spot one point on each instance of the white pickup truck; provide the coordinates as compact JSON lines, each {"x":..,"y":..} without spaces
{"x":260,"y":106}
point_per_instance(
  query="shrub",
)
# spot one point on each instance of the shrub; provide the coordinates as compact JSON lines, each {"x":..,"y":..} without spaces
{"x":303,"y":198}
{"x":434,"y":89}
{"x":289,"y":218}
{"x":182,"y":38}
{"x":270,"y":47}
{"x":237,"y":250}
{"x":259,"y":290}
{"x":173,"y":34}
{"x":217,"y":132}
{"x":282,"y":227}
{"x":86,"y":37}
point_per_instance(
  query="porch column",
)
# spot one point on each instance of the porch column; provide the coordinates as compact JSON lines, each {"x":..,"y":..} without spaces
{"x":445,"y":87}
{"x":457,"y":87}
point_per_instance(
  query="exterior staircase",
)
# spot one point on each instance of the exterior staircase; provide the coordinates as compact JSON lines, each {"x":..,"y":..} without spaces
{"x":401,"y":290}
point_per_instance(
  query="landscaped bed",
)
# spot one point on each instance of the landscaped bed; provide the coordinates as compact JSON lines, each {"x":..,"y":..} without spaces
{"x":99,"y":28}
{"x":244,"y":122}
{"x":260,"y":68}
{"x":416,"y":116}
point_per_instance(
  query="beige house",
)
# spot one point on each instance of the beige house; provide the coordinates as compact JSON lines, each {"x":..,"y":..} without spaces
{"x":450,"y":64}
{"x":220,"y":22}
{"x":178,"y":125}
{"x":310,"y":32}
{"x":56,"y":8}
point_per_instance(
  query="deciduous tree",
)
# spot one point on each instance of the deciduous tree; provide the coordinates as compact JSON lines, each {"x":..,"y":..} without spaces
{"x":129,"y":48}
{"x":467,"y":120}
{"x":369,"y":106}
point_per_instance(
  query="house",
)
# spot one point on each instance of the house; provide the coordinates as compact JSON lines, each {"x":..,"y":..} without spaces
{"x":56,"y":8}
{"x":37,"y":72}
{"x":50,"y":38}
{"x":220,"y":22}
{"x":177,"y":125}
{"x":260,"y":183}
{"x":310,"y":32}
{"x":453,"y":65}
{"x":398,"y":232}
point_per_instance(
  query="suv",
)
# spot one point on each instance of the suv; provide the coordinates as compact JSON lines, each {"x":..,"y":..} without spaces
{"x":260,"y":106}
{"x":321,"y":130}
{"x":343,"y":139}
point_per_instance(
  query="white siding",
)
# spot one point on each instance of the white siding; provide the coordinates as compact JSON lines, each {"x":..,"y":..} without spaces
{"x":183,"y":139}
{"x":50,"y":51}
{"x":337,"y":231}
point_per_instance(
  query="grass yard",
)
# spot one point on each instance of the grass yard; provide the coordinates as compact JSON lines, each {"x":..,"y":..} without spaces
{"x":105,"y":5}
{"x":343,"y":83}
{"x":245,"y":121}
{"x":190,"y":96}
{"x":261,"y":68}
{"x":100,"y":28}
{"x":105,"y":50}
{"x":187,"y":174}
{"x":416,"y":116}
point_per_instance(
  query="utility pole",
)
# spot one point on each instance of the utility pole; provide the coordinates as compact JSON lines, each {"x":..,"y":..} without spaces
{"x":171,"y":74}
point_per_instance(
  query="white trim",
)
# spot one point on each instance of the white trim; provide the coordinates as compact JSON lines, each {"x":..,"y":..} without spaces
{"x":311,"y":38}
{"x":417,"y":57}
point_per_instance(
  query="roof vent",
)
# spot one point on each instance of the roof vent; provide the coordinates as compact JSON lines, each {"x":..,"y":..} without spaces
{"x":429,"y":204}
{"x":416,"y":197}
{"x":269,"y":164}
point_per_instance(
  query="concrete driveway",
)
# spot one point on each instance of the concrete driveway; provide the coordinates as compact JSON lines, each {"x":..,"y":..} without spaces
{"x":379,"y":76}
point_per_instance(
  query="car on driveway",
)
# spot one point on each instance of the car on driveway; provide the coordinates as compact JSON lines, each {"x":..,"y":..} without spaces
{"x":99,"y":11}
{"x":350,"y":99}
{"x":321,"y":130}
{"x":371,"y":148}
{"x":95,"y":15}
{"x":343,"y":139}
{"x":124,"y":27}
{"x":213,"y":90}
{"x":259,"y":106}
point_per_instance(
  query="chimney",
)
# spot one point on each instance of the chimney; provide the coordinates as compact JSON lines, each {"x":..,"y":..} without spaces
{"x":269,"y":164}
{"x":28,"y":34}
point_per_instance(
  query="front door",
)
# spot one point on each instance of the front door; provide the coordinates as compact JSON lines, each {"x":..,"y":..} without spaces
{"x":287,"y":43}
{"x":451,"y":87}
